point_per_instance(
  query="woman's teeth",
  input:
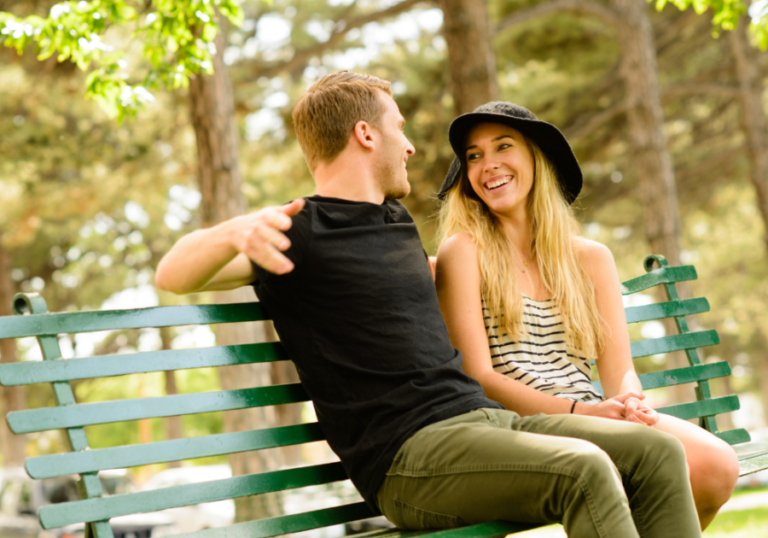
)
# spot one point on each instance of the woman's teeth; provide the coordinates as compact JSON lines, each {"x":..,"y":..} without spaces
{"x":498,"y":183}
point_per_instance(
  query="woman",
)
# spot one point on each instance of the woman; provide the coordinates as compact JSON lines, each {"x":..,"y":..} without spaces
{"x":529,"y":302}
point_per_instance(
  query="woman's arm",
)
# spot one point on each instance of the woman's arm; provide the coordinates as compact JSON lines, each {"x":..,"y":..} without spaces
{"x":458,"y":289}
{"x":614,"y":360}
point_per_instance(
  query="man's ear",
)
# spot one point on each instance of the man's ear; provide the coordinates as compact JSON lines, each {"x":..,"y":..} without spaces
{"x":363,"y":134}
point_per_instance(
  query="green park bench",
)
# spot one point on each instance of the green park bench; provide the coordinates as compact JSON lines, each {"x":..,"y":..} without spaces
{"x":96,"y":510}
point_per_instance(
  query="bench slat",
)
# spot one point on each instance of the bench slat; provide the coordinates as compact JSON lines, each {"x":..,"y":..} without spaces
{"x":107,"y":320}
{"x":70,"y":416}
{"x":689,"y":374}
{"x":679,"y":376}
{"x":491,"y":529}
{"x":750,"y":450}
{"x":636,"y":314}
{"x":677,"y":342}
{"x":666,"y":275}
{"x":176,"y":450}
{"x":734,"y":437}
{"x":25,"y":373}
{"x":753,"y":465}
{"x":703,"y":408}
{"x":59,"y":515}
{"x":288,"y":524}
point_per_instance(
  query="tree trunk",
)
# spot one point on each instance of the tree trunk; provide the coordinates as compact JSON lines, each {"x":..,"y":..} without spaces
{"x":651,"y":158}
{"x":11,"y":398}
{"x":471,"y":59}
{"x":753,"y":119}
{"x":172,"y":424}
{"x":212,"y":114}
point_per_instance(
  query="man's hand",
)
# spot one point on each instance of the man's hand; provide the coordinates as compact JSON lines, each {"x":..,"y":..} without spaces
{"x":433,"y":266}
{"x":259,"y":236}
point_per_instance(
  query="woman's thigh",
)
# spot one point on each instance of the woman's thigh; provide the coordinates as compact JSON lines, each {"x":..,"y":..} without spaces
{"x":712,"y":463}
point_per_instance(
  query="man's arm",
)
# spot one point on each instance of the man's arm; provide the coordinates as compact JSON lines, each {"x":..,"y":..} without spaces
{"x":219,"y":258}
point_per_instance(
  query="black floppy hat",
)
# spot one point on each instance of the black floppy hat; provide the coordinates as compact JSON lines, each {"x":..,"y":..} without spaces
{"x":549,"y":139}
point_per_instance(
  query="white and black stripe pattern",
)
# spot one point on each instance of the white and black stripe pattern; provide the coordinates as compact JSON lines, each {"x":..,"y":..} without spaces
{"x":540,"y":359}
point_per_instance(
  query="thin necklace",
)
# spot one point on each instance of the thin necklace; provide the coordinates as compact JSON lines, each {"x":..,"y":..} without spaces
{"x":523,"y":261}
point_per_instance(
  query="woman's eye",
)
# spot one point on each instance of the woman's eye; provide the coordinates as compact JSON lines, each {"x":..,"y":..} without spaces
{"x":473,"y":156}
{"x":505,"y":146}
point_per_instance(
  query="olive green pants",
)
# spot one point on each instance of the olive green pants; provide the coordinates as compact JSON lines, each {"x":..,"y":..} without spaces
{"x":598,"y":477}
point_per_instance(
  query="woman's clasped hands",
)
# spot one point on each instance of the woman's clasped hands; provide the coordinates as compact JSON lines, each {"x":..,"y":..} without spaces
{"x":628,"y":406}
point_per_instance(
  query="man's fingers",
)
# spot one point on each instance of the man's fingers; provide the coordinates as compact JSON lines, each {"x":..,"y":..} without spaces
{"x":274,"y":218}
{"x":292,"y":208}
{"x":271,"y":259}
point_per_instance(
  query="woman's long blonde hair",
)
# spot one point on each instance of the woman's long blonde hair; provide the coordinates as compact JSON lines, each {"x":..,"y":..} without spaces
{"x":553,"y":230}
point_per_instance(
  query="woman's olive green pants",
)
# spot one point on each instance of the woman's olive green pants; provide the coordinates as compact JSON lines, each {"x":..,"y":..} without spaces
{"x":598,"y":477}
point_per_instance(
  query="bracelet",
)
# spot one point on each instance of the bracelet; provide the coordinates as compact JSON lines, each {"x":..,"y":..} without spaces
{"x":573,"y":406}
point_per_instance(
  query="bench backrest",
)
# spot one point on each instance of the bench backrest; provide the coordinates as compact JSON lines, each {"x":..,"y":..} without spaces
{"x":72,"y":417}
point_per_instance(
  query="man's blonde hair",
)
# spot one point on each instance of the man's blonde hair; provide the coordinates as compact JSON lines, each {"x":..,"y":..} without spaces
{"x":325,"y":116}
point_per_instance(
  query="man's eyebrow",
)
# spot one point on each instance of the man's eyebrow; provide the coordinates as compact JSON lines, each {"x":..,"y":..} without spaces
{"x":494,"y":140}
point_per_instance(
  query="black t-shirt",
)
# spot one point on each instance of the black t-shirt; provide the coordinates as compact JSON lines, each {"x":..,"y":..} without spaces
{"x":359,"y":317}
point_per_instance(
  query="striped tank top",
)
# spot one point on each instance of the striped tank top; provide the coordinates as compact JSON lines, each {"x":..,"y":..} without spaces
{"x":540,"y":359}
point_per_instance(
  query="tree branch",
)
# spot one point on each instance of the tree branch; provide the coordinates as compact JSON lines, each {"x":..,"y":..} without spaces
{"x":585,"y":127}
{"x":271,"y":69}
{"x":694,"y":89}
{"x":581,"y":7}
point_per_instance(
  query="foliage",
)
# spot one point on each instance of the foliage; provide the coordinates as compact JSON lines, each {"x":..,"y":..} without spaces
{"x":177,"y":37}
{"x":726,"y":15}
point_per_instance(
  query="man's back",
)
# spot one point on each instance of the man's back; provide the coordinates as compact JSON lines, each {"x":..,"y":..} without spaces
{"x":359,"y":317}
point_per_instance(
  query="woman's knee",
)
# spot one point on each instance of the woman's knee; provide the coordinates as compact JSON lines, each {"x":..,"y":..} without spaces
{"x":714,"y":469}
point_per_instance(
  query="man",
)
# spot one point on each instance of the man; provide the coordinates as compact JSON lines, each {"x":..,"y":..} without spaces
{"x":346,"y":281}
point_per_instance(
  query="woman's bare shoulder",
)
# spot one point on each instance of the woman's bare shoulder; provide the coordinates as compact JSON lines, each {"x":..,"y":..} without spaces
{"x":591,"y":251}
{"x":458,"y":245}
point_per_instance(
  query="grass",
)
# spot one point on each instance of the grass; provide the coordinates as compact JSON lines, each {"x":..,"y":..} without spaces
{"x":741,"y":524}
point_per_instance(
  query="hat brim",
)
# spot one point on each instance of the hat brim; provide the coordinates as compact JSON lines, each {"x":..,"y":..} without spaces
{"x":548,"y":137}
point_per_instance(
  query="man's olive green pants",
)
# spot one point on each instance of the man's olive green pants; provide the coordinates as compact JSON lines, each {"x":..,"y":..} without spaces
{"x":598,"y":477}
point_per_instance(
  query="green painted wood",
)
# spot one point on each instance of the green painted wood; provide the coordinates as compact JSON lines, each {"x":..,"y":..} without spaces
{"x":51,"y":418}
{"x":139,"y":318}
{"x":734,"y":437}
{"x":636,"y":314}
{"x":689,"y":374}
{"x":679,"y":376}
{"x":659,"y":276}
{"x":58,"y":515}
{"x":175,"y":450}
{"x":276,"y":526}
{"x":753,"y":465}
{"x":704,"y":408}
{"x":88,"y":486}
{"x":25,"y":373}
{"x":677,"y":342}
{"x":489,"y":529}
{"x":750,"y":450}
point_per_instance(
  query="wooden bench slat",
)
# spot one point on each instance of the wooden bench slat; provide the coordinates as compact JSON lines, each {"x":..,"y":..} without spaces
{"x":750,"y":450}
{"x":164,"y":451}
{"x":25,"y":373}
{"x":666,"y":275}
{"x":59,"y":515}
{"x":702,"y":408}
{"x":490,"y":529}
{"x":677,"y":342}
{"x":107,"y":320}
{"x":636,"y":314}
{"x":753,"y":465}
{"x":734,"y":437}
{"x":275,"y":526}
{"x":689,"y":374}
{"x":70,"y":416}
{"x":679,"y":376}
